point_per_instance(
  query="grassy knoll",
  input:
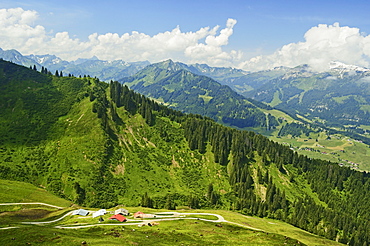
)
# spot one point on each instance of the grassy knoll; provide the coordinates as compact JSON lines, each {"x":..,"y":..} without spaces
{"x":178,"y":232}
{"x":189,"y":230}
{"x":278,"y":227}
{"x":20,"y":192}
{"x":183,"y":232}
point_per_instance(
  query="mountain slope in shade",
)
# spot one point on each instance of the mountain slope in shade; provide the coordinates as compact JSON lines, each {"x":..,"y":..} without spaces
{"x":181,"y":89}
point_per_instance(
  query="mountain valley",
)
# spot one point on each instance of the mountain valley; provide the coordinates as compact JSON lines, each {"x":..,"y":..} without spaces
{"x":102,"y":144}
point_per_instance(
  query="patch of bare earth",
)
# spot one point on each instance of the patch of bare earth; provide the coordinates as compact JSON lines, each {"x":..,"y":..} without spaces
{"x":174,"y":162}
{"x":120,"y":169}
{"x":25,"y":214}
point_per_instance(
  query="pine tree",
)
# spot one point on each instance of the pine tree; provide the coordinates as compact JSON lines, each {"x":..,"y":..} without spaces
{"x":170,"y":203}
{"x":146,"y":201}
{"x":81,"y":194}
{"x":259,"y":176}
{"x":193,"y":202}
{"x":210,"y":190}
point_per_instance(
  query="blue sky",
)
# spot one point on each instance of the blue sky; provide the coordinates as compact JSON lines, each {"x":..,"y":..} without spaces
{"x":261,"y":28}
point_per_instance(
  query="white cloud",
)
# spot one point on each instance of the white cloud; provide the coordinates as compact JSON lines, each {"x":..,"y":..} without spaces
{"x":15,"y":29}
{"x":211,"y":52}
{"x":323,"y":44}
{"x":18,"y":31}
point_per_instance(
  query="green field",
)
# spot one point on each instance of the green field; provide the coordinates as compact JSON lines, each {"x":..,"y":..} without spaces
{"x":187,"y":229}
{"x":337,"y":148}
{"x":20,"y":192}
{"x":169,"y":233}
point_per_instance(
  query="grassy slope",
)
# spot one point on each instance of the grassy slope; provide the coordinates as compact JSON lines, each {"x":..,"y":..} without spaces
{"x":187,"y":232}
{"x":81,"y":145}
{"x":168,"y":233}
{"x":144,"y":161}
{"x":278,"y":227}
{"x":18,"y":192}
{"x":74,"y":147}
{"x":167,"y":167}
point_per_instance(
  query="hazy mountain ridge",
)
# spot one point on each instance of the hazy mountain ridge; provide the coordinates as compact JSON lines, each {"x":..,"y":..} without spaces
{"x":116,"y":69}
{"x":220,"y":74}
{"x":16,"y":57}
{"x":104,"y":70}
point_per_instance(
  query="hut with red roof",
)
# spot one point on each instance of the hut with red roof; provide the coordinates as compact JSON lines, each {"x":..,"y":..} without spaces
{"x":118,"y":217}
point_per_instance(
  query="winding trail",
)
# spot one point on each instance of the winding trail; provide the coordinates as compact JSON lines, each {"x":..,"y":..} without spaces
{"x":159,"y":217}
{"x":6,"y":228}
{"x":172,"y":216}
{"x":175,"y":216}
{"x":31,"y":203}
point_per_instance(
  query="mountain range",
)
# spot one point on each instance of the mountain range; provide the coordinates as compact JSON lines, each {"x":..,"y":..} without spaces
{"x":109,"y":70}
{"x":338,"y":97}
{"x":335,"y":98}
{"x":176,"y":85}
{"x":100,"y":144}
{"x":187,"y":88}
{"x":104,"y":70}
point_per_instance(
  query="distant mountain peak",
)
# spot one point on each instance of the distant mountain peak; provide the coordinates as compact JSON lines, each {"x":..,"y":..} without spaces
{"x":46,"y":60}
{"x":302,"y":71}
{"x":336,"y":65}
{"x":169,"y":65}
{"x":82,"y":60}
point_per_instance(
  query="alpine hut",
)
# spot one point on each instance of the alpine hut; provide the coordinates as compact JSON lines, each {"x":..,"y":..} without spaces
{"x":118,"y":217}
{"x":121,"y":211}
{"x":81,"y":211}
{"x":101,"y":212}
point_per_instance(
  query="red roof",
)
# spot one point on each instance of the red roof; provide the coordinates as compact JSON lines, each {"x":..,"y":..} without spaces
{"x":118,"y":217}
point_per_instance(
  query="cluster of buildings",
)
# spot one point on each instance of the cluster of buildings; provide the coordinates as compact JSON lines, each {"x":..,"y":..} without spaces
{"x":118,"y":214}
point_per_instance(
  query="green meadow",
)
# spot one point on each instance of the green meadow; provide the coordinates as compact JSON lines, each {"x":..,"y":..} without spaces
{"x":185,"y":230}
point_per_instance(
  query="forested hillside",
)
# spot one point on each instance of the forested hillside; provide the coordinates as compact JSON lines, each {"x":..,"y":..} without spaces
{"x":101,"y":144}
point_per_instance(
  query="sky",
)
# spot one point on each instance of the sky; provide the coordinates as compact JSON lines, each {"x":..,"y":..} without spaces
{"x":251,"y":35}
